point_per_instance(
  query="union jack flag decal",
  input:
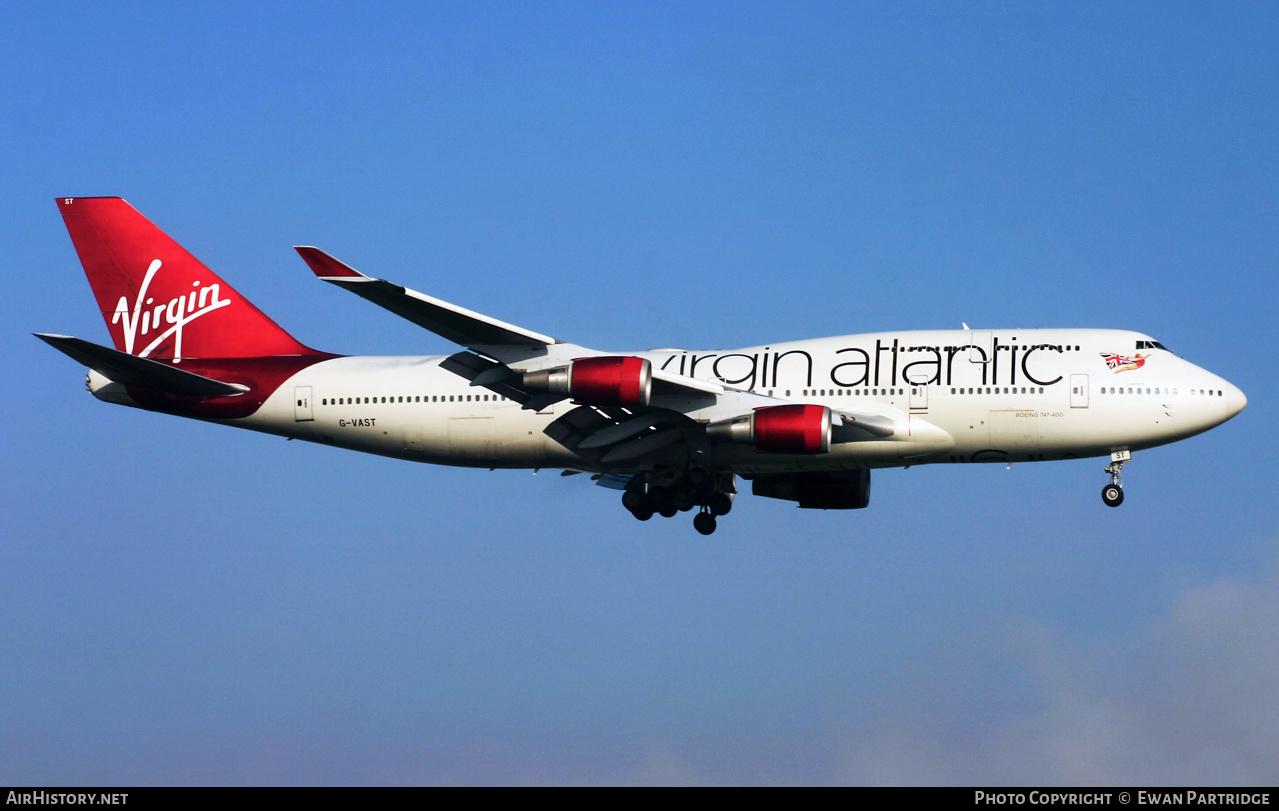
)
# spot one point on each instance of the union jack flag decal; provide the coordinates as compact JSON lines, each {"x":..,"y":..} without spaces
{"x":1123,"y":363}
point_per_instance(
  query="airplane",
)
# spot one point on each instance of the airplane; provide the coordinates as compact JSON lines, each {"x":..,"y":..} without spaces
{"x":804,"y":421}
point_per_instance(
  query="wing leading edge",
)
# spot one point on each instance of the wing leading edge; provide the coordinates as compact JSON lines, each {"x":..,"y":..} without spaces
{"x":457,"y":324}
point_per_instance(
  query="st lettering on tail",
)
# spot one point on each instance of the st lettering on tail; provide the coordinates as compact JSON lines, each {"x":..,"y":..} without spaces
{"x":673,"y":430}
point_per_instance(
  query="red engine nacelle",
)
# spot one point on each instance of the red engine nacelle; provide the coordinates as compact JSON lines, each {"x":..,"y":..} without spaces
{"x":616,"y":381}
{"x":610,"y":380}
{"x":795,"y":428}
{"x":792,"y":429}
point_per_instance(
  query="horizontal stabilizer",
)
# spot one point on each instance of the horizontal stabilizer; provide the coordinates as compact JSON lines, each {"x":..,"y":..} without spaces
{"x":131,"y":370}
{"x":457,"y":324}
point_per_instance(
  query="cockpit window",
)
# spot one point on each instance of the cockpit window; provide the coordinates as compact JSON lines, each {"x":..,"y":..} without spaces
{"x":1151,"y":345}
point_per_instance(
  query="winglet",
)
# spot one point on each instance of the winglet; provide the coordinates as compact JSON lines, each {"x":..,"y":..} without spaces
{"x":325,"y":266}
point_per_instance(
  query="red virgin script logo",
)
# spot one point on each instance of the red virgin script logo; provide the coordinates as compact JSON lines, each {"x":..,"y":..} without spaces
{"x":146,"y":317}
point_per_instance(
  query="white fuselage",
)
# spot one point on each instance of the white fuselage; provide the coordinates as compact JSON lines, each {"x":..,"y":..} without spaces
{"x":952,"y":396}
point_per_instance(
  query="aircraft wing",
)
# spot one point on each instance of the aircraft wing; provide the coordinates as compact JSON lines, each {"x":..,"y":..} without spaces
{"x":678,"y":411}
{"x":487,"y":336}
{"x":457,"y":324}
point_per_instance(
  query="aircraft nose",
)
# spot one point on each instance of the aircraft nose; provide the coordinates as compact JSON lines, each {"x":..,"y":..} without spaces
{"x":1235,"y":400}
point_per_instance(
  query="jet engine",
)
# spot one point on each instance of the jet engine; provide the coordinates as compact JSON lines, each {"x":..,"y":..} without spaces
{"x":795,"y":428}
{"x":626,"y":381}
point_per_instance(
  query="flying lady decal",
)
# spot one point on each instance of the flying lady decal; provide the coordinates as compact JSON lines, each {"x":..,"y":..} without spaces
{"x":1123,"y":363}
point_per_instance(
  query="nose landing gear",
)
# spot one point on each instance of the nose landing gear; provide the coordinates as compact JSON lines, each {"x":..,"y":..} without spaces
{"x":1113,"y":493}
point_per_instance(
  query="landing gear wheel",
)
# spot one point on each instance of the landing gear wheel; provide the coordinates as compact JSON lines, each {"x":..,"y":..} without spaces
{"x":719,"y":503}
{"x":632,"y":500}
{"x":643,"y":513}
{"x":704,"y":523}
{"x":659,"y":499}
{"x":683,"y":500}
{"x":1113,"y":495}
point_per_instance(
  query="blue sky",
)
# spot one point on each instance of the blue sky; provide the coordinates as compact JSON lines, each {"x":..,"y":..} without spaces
{"x":182,"y":603}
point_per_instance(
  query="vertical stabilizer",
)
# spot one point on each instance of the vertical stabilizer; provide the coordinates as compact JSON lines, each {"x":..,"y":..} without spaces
{"x":158,"y":300}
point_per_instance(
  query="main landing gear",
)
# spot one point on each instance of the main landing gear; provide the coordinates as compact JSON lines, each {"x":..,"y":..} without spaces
{"x":696,"y":487}
{"x":1113,"y":493}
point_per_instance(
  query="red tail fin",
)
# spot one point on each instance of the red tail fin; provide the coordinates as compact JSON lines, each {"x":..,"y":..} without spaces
{"x":158,"y":300}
